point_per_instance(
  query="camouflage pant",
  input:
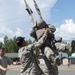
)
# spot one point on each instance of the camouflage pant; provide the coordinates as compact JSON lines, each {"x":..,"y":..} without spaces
{"x":52,"y":71}
{"x":49,"y":68}
{"x":33,"y":71}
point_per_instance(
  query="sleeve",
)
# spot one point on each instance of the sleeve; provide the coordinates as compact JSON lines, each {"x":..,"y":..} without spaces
{"x":33,"y":33}
{"x":38,"y":43}
{"x":9,"y":61}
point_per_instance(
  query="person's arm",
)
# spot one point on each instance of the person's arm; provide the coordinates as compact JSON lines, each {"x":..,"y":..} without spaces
{"x":40,"y":41}
{"x":2,"y":68}
{"x":33,"y":31}
{"x":9,"y":61}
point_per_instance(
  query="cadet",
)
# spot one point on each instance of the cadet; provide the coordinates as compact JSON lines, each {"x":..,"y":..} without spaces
{"x":48,"y":48}
{"x":29,"y":65}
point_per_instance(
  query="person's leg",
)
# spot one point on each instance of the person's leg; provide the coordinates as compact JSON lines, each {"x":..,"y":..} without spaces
{"x":51,"y":56}
{"x":54,"y":70}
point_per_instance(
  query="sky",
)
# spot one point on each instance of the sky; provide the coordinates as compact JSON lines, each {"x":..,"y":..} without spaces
{"x":15,"y":21}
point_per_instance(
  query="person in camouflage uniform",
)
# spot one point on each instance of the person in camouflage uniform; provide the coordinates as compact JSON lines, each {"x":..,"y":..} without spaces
{"x":29,"y":65}
{"x":48,"y":49}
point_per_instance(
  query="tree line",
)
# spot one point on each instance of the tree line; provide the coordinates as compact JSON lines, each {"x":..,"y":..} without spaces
{"x":11,"y":47}
{"x":10,"y":44}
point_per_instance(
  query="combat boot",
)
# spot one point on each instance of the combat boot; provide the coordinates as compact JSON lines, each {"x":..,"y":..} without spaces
{"x":56,"y":60}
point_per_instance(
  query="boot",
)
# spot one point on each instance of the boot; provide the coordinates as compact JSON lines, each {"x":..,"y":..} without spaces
{"x":55,"y":60}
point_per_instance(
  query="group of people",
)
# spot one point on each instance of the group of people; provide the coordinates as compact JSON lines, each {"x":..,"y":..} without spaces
{"x":45,"y":41}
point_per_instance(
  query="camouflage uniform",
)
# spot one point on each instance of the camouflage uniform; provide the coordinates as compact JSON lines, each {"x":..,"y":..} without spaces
{"x":48,"y":49}
{"x":29,"y":65}
{"x":61,"y":46}
{"x":50,"y":69}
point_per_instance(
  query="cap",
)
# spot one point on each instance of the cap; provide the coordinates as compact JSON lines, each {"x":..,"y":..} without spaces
{"x":19,"y":40}
{"x":52,"y":28}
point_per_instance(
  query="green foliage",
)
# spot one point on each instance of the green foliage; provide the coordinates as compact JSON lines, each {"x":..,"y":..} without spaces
{"x":1,"y":44}
{"x":66,"y":51}
{"x":10,"y":45}
{"x":29,"y":42}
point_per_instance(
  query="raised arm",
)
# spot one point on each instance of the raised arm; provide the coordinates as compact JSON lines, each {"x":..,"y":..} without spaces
{"x":2,"y":68}
{"x":40,"y":41}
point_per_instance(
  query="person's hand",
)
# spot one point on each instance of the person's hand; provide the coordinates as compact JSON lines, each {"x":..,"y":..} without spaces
{"x":35,"y":23}
{"x":46,"y":31}
{"x":5,"y":69}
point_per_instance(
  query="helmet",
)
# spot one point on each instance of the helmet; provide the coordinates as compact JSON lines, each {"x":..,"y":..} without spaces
{"x":40,"y":23}
{"x":52,"y":28}
{"x":19,"y":40}
{"x":59,"y":39}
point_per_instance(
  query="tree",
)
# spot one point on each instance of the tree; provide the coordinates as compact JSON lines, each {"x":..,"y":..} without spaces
{"x":29,"y":42}
{"x":10,"y":45}
{"x":15,"y":47}
{"x":1,"y":44}
{"x":6,"y":43}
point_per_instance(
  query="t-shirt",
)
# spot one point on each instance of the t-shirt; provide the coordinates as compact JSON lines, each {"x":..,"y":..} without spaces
{"x":4,"y":62}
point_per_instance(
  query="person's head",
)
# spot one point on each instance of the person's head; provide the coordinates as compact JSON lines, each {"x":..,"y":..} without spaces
{"x":40,"y":23}
{"x":59,"y":39}
{"x":52,"y":28}
{"x":2,"y":52}
{"x":20,"y":41}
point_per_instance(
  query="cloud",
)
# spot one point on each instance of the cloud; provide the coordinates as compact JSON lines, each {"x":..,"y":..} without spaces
{"x":66,"y":30}
{"x":19,"y":32}
{"x":10,"y":33}
{"x":1,"y":40}
{"x":14,"y":19}
{"x":44,"y":5}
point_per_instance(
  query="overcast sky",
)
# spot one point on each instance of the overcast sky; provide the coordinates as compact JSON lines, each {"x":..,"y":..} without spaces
{"x":15,"y":21}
